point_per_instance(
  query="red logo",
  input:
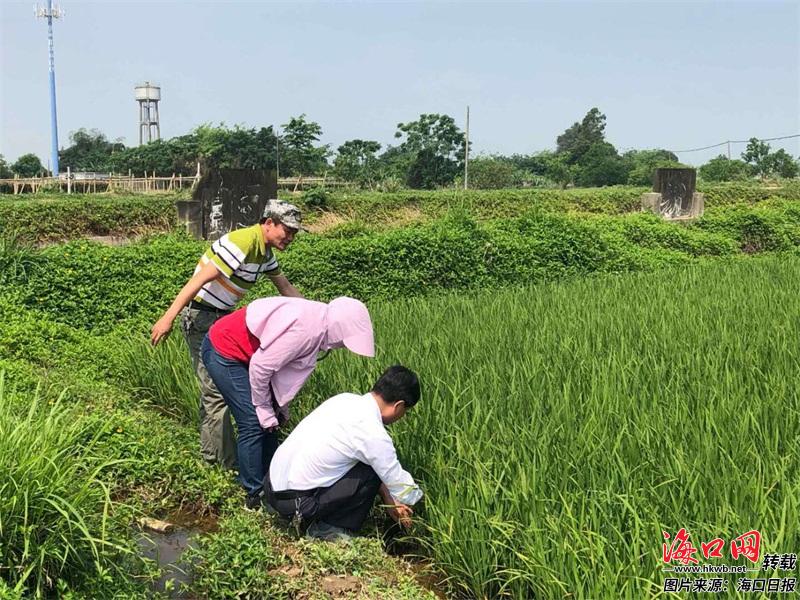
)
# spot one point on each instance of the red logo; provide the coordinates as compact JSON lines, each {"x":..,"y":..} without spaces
{"x":680,"y":550}
{"x":713,"y":549}
{"x":683,"y":552}
{"x":747,"y":545}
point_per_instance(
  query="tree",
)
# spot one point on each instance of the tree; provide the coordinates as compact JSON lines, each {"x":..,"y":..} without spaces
{"x":5,"y":171}
{"x":394,"y":163}
{"x":576,"y":140}
{"x":559,"y":170}
{"x":781,"y":163}
{"x":438,"y":133}
{"x":778,"y":163}
{"x":90,"y":151}
{"x":491,"y":173}
{"x":601,"y":165}
{"x":533,"y":163}
{"x":723,"y":168}
{"x":212,"y":146}
{"x":432,"y":148}
{"x":298,"y":155}
{"x":356,"y":161}
{"x":237,"y":148}
{"x":429,"y":170}
{"x":28,"y":165}
{"x":643,"y":163}
{"x":756,"y":154}
{"x":546,"y":164}
{"x":162,"y":157}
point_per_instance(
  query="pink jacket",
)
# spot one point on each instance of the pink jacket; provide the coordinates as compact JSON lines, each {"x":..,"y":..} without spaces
{"x":291,"y":331}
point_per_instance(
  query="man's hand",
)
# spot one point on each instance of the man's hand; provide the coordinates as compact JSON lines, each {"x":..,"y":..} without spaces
{"x":160,"y":330}
{"x":400,"y":513}
{"x":284,"y":287}
{"x":163,"y":326}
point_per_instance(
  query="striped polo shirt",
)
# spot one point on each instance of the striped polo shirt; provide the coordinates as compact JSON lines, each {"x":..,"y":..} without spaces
{"x":240,"y":256}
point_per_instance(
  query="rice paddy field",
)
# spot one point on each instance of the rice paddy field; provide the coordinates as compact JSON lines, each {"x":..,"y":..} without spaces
{"x":564,"y":426}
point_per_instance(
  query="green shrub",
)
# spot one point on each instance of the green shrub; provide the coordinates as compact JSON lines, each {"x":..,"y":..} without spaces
{"x":92,"y":286}
{"x":547,"y":246}
{"x":746,"y":193}
{"x":238,"y":561}
{"x":136,"y":283}
{"x":348,"y":229}
{"x":394,"y":263}
{"x":770,"y":226}
{"x":316,"y":198}
{"x":390,"y":184}
{"x":68,"y":217}
{"x":39,"y":339}
{"x":650,"y":231}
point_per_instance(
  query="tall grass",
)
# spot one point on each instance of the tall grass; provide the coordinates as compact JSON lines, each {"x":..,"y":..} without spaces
{"x":163,"y":376}
{"x":16,"y":257}
{"x":54,"y":507}
{"x":564,"y":427}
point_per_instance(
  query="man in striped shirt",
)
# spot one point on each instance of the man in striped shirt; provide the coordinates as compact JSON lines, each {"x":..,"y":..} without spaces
{"x":223,"y":275}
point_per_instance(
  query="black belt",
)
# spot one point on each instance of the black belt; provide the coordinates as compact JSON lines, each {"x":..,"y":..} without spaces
{"x":289,"y":494}
{"x":208,"y":308}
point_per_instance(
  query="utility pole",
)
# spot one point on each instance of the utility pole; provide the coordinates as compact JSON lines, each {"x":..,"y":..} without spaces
{"x":466,"y":153}
{"x":51,"y":13}
{"x":729,"y":150}
{"x":277,"y":154}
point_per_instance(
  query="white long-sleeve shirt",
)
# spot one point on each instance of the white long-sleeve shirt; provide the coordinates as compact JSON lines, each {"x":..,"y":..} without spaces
{"x":338,"y":434}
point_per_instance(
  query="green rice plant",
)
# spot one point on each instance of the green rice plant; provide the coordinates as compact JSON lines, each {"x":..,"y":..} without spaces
{"x":54,"y":507}
{"x":564,"y":427}
{"x":163,"y":376}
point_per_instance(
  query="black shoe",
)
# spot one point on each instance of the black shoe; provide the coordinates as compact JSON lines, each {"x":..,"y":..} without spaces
{"x":320,"y":530}
{"x":254,"y":501}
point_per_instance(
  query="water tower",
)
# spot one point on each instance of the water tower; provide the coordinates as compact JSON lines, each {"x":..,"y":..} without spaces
{"x":148,"y":97}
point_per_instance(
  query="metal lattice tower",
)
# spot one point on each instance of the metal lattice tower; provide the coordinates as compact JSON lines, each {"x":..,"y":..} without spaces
{"x":51,"y":13}
{"x":148,"y":97}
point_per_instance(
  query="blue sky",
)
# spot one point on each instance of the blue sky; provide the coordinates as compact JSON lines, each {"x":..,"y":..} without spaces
{"x":667,"y":74}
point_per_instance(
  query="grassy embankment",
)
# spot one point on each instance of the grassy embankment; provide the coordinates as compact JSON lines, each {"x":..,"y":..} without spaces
{"x":55,"y":217}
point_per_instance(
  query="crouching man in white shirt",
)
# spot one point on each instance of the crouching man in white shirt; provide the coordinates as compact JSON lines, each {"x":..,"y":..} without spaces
{"x":330,"y":468}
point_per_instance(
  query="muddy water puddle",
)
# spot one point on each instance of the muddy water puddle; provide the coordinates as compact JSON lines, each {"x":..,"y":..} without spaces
{"x":167,"y":549}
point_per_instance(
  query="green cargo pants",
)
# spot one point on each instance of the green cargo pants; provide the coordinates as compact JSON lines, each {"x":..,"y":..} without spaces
{"x":217,"y":439}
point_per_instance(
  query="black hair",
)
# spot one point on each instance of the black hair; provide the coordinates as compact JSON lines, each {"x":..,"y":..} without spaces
{"x":398,"y":383}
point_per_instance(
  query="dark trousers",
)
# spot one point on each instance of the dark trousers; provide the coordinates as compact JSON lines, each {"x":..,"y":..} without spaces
{"x":344,"y":504}
{"x":255,"y":446}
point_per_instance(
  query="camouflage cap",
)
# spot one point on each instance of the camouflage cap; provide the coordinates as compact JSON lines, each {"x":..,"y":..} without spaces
{"x":283,"y":212}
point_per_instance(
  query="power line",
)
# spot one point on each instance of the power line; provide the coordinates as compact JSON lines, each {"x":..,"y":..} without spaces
{"x":783,"y":137}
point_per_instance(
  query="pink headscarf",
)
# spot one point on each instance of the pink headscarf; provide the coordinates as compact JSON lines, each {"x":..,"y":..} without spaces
{"x":291,"y":331}
{"x":349,"y":324}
